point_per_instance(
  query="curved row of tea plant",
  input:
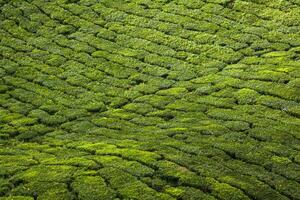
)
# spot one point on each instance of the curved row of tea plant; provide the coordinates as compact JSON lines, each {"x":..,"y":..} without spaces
{"x":139,"y":99}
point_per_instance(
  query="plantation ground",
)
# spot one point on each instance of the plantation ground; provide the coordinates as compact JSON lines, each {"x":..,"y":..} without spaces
{"x":149,"y":99}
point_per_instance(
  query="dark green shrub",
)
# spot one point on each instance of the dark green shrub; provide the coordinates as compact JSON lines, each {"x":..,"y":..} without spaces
{"x":5,"y":186}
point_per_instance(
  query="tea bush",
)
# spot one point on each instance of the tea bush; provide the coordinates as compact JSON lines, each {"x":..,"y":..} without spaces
{"x":144,"y":99}
{"x":92,"y":187}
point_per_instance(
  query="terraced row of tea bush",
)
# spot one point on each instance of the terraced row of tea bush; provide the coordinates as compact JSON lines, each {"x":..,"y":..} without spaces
{"x":150,"y":100}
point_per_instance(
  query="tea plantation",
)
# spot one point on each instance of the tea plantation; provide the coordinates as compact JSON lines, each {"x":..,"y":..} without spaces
{"x":149,"y":99}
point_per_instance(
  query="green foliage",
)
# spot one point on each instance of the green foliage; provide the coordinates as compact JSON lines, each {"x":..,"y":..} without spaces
{"x":92,"y":187}
{"x":178,"y":174}
{"x":271,"y":88}
{"x":44,"y":190}
{"x":146,"y":88}
{"x":226,"y":191}
{"x":186,"y":106}
{"x":151,"y":100}
{"x":46,"y":173}
{"x":95,"y":107}
{"x":177,"y":192}
{"x":129,"y":187}
{"x":155,"y":100}
{"x":5,"y":186}
{"x":46,"y":118}
{"x":193,"y":194}
{"x":113,"y":123}
{"x":246,"y":96}
{"x":204,"y":89}
{"x":264,"y":192}
{"x":140,"y":108}
{"x":16,"y":198}
{"x":178,"y":92}
{"x":133,"y":167}
{"x":237,"y":125}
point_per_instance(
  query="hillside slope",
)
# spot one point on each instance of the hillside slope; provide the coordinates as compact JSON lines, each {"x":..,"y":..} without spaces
{"x":150,"y":99}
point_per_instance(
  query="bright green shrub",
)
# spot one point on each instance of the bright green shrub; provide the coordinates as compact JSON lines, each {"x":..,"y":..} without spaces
{"x":8,"y":117}
{"x":178,"y":174}
{"x":278,"y":103}
{"x":155,"y":100}
{"x":226,"y":191}
{"x":176,"y":192}
{"x":149,"y":99}
{"x":204,"y":89}
{"x":264,"y":191}
{"x":46,"y":118}
{"x":95,"y":107}
{"x":130,"y":187}
{"x":246,"y":96}
{"x":237,"y":125}
{"x":43,"y":190}
{"x":17,"y":44}
{"x":177,"y":92}
{"x":147,"y":121}
{"x":27,"y":133}
{"x":92,"y":187}
{"x":19,"y":107}
{"x":17,"y":198}
{"x":78,"y":126}
{"x":183,"y":105}
{"x":211,"y":100}
{"x":118,"y":102}
{"x":224,"y":54}
{"x":113,"y":123}
{"x":46,"y":173}
{"x":273,"y":89}
{"x":182,"y":75}
{"x":72,"y":114}
{"x":56,"y":193}
{"x":133,"y":167}
{"x":145,"y":157}
{"x":140,"y":108}
{"x":23,"y":121}
{"x":190,"y":193}
{"x":146,"y":88}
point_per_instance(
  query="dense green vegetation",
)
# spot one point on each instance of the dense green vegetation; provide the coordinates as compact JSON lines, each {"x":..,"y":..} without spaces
{"x":149,"y":99}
